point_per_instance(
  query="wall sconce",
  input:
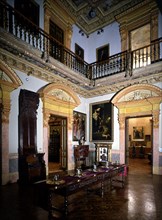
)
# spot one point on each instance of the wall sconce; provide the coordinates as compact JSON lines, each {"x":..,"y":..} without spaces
{"x":100,"y":31}
{"x":82,"y":33}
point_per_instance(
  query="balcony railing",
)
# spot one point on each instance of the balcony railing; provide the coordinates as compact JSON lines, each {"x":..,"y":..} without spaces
{"x":22,"y":28}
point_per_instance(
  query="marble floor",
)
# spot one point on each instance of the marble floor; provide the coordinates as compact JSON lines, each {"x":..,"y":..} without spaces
{"x":140,"y":199}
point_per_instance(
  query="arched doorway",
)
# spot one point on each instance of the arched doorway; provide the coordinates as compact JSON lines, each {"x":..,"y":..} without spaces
{"x":58,"y":104}
{"x":138,"y":145}
{"x":57,"y":142}
{"x":134,"y":101}
{"x":9,"y":81}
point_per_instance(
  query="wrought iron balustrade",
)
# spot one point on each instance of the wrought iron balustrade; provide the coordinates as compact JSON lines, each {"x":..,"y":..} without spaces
{"x":22,"y":28}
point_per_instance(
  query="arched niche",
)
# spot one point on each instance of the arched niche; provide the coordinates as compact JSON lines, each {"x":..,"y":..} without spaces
{"x":60,"y":100}
{"x":9,"y":81}
{"x":140,"y":100}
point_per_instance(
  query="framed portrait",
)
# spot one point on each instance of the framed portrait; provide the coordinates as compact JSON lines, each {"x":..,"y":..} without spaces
{"x":138,"y":133}
{"x":102,"y":53}
{"x":79,"y":51}
{"x":101,"y":122}
{"x":79,"y":126}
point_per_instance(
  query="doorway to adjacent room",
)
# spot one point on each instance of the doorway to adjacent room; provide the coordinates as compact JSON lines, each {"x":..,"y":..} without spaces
{"x":57,"y":143}
{"x":139,"y":143}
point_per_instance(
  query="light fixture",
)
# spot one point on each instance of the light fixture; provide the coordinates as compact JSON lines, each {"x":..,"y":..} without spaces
{"x":92,"y":13}
{"x":100,"y":31}
{"x":81,"y":32}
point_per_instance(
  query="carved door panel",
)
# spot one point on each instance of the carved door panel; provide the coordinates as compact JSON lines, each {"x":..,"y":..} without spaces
{"x":28,"y":104}
{"x":31,"y":164}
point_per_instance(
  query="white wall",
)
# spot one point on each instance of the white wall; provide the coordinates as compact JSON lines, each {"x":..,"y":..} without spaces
{"x":160,"y":25}
{"x":110,"y":36}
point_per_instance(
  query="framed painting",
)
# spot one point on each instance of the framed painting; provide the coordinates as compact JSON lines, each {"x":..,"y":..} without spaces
{"x":101,"y":122}
{"x":79,"y":126}
{"x":79,"y":51}
{"x":138,"y":133}
{"x":102,"y":53}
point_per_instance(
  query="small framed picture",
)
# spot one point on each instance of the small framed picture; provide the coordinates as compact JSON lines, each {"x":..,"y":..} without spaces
{"x":79,"y":51}
{"x":102,"y":53}
{"x":138,"y":133}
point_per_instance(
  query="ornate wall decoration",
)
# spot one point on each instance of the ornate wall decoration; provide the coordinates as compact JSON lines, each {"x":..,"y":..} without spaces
{"x":62,"y":95}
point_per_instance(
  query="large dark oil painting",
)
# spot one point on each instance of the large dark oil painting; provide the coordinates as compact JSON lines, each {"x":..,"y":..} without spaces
{"x":101,"y":122}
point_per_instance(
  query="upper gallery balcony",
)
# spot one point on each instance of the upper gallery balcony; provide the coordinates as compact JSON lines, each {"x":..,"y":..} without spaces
{"x":20,"y":37}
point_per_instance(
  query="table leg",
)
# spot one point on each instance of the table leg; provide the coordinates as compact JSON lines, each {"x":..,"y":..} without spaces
{"x":66,"y":204}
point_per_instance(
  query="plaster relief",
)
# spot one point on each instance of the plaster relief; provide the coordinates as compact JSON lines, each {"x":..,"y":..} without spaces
{"x":138,"y":95}
{"x":61,"y":95}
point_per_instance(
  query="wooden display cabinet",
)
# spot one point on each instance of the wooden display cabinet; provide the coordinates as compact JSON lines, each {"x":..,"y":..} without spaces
{"x":80,"y":154}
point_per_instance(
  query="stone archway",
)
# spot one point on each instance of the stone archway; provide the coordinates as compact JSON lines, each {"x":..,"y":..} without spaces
{"x":140,"y":100}
{"x":58,"y":100}
{"x":9,"y":81}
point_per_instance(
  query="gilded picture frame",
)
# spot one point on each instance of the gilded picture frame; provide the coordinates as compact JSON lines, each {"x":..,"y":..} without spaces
{"x":138,"y":133}
{"x":102,"y":122}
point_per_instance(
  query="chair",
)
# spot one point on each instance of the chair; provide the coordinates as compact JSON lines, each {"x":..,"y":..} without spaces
{"x":142,"y":152}
{"x":133,"y":152}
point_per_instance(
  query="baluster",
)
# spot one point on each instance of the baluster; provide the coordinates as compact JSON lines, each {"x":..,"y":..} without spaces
{"x":25,"y":33}
{"x":20,"y":31}
{"x":10,"y":21}
{"x":16,"y":27}
{"x":32,"y":39}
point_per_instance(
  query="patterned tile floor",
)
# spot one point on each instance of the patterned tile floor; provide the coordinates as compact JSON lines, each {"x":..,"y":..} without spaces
{"x":141,"y":199}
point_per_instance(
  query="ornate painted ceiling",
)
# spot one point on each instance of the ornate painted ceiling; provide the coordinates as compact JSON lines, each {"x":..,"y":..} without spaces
{"x":94,"y":15}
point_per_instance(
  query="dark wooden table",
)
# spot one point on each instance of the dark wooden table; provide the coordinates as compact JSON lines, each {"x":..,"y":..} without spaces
{"x":71,"y":184}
